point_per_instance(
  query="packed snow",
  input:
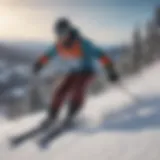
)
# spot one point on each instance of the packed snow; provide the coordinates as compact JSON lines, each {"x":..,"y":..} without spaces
{"x":115,"y":125}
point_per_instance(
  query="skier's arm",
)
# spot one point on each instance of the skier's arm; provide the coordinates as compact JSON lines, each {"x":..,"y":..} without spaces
{"x":106,"y":62}
{"x":44,"y":59}
{"x":108,"y":65}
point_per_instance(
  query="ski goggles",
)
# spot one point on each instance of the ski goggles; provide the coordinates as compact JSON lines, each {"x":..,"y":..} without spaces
{"x":62,"y":32}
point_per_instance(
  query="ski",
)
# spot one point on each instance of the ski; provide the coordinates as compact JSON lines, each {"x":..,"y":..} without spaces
{"x":20,"y":139}
{"x":49,"y":137}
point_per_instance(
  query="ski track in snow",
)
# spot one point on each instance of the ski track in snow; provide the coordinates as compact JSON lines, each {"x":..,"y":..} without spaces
{"x":114,"y":126}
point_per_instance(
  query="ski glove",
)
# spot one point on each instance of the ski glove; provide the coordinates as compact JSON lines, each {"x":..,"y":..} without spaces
{"x":112,"y":74}
{"x":37,"y":67}
{"x":43,"y":60}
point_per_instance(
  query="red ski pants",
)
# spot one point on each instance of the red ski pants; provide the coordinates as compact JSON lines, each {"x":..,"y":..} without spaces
{"x":74,"y":87}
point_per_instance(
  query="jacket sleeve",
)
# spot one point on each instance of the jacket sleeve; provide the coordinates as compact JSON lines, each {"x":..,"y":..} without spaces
{"x":49,"y":54}
{"x":98,"y":53}
{"x":44,"y":59}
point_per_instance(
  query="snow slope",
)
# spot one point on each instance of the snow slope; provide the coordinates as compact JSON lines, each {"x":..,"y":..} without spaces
{"x":117,"y":127}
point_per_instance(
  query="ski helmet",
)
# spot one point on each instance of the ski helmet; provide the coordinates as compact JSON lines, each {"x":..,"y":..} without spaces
{"x":63,"y":27}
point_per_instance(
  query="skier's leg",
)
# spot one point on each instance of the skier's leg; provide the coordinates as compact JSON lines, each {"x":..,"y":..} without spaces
{"x":62,"y":91}
{"x":58,"y":98}
{"x":78,"y":93}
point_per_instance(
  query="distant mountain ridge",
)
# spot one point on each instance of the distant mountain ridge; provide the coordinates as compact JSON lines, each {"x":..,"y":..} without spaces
{"x":29,"y":50}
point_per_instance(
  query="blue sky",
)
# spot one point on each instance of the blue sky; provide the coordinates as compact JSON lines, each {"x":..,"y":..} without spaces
{"x":105,"y":21}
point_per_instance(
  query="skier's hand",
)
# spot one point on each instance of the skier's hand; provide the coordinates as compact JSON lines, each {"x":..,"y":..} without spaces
{"x":37,"y":67}
{"x":112,"y":75}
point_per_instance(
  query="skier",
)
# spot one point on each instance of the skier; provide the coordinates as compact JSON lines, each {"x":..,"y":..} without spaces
{"x":72,"y":46}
